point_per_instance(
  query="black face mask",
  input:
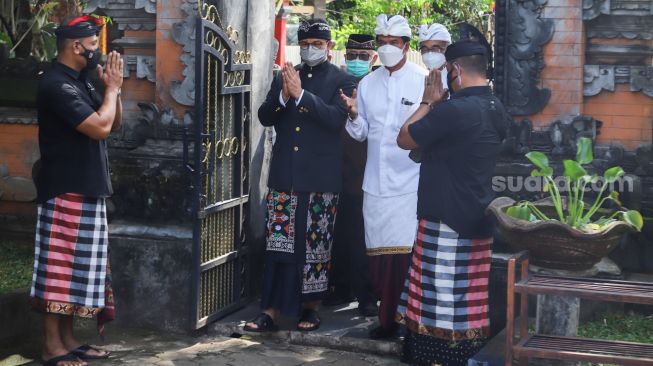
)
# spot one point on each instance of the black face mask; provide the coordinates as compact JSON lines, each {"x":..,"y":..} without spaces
{"x":450,"y":83}
{"x":92,"y":57}
{"x":450,"y":80}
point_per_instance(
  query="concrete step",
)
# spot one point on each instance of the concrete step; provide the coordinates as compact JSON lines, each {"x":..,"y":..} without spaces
{"x":342,"y":328}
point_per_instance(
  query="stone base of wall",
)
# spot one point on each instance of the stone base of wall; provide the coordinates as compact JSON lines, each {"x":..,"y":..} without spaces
{"x":151,"y":275}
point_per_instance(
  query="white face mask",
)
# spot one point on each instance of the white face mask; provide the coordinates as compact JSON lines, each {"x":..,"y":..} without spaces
{"x":444,"y":78}
{"x":312,"y":55}
{"x":390,"y":55}
{"x":433,"y":60}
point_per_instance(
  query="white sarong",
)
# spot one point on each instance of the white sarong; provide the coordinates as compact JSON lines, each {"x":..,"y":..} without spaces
{"x":390,"y":223}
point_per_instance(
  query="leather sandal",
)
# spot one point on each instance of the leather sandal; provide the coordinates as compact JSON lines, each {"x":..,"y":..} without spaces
{"x":309,"y":316}
{"x":82,"y":352}
{"x":264,"y":323}
{"x":54,"y":361}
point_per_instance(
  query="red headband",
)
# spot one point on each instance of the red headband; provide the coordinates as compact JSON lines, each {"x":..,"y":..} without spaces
{"x":85,"y":18}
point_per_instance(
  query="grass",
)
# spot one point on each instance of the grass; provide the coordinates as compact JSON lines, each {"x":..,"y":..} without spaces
{"x":16,"y":262}
{"x":619,"y":327}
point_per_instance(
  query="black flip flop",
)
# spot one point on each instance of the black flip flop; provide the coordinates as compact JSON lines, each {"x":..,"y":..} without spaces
{"x":81,"y":353}
{"x":65,"y":358}
{"x":309,"y":316}
{"x":264,"y":323}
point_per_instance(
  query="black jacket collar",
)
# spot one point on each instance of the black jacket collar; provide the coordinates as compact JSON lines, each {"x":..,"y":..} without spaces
{"x":472,"y":91}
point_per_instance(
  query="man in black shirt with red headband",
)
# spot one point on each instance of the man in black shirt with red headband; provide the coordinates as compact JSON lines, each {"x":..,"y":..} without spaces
{"x":445,"y":298}
{"x":71,"y":270}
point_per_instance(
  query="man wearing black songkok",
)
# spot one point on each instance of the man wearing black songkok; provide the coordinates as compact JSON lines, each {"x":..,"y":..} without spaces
{"x":71,"y":270}
{"x":445,"y":307}
{"x":303,"y":106}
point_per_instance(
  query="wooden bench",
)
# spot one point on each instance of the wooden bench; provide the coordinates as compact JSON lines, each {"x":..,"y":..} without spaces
{"x":571,"y":348}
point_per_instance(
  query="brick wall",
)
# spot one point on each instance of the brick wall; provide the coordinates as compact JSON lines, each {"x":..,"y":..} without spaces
{"x":168,"y":67}
{"x":136,"y":90}
{"x":563,"y":59}
{"x":19,"y":148}
{"x":627,"y":116}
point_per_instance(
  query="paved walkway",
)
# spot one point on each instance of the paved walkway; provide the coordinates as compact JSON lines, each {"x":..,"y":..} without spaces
{"x":233,"y":351}
{"x":135,"y":347}
{"x":341,"y":340}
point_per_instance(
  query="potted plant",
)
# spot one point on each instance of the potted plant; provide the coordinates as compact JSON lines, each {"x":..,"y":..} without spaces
{"x":566,"y":231}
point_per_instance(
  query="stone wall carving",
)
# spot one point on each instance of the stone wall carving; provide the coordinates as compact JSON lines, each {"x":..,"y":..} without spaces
{"x":520,"y":37}
{"x":184,"y":34}
{"x":559,"y":139}
{"x":148,"y":5}
{"x":144,"y":66}
{"x":594,"y":8}
{"x":154,"y":123}
{"x":128,"y":14}
{"x":565,"y":135}
{"x":19,"y":189}
{"x":228,"y":15}
{"x":641,"y":79}
{"x":629,"y":27}
{"x":604,"y":77}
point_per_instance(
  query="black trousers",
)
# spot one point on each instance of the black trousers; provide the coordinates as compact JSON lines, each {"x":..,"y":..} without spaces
{"x":350,"y":272}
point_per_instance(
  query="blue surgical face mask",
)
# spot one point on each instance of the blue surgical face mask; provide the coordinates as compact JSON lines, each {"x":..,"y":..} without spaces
{"x":358,"y":68}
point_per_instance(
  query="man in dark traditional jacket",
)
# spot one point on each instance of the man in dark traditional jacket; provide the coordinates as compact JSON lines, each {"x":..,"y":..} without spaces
{"x":304,"y":107}
{"x":350,"y":276}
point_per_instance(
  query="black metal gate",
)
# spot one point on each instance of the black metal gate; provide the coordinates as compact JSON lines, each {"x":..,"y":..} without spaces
{"x":220,"y":171}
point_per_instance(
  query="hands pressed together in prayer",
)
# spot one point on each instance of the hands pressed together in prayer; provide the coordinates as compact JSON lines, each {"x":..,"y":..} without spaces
{"x":350,"y":103}
{"x":292,"y":83}
{"x":434,"y":92}
{"x":112,"y":73}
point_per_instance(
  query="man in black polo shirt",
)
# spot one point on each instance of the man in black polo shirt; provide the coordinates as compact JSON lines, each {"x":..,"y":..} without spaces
{"x":71,"y":272}
{"x":445,"y":297}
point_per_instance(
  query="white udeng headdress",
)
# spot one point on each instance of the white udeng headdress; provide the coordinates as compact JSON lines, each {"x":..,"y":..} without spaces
{"x":434,"y":32}
{"x":396,"y":26}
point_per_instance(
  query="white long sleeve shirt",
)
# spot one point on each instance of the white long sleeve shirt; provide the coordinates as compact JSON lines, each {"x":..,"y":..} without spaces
{"x":385,"y":102}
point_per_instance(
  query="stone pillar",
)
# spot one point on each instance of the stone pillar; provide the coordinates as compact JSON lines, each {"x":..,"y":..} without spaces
{"x":556,"y":315}
{"x":260,"y":22}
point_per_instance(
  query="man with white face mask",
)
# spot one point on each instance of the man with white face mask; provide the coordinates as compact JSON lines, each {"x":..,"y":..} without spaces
{"x":383,"y":102}
{"x":304,"y":181}
{"x":433,"y":42}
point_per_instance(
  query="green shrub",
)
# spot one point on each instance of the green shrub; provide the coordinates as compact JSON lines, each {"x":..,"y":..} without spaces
{"x":16,"y":263}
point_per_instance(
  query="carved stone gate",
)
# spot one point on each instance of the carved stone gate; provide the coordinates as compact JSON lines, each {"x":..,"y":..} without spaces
{"x":220,"y":169}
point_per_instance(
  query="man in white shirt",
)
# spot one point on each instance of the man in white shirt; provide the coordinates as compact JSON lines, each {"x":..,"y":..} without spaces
{"x":383,"y":102}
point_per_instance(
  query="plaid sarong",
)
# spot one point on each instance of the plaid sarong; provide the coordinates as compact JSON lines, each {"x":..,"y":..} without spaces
{"x":71,"y":258}
{"x":446,"y":292}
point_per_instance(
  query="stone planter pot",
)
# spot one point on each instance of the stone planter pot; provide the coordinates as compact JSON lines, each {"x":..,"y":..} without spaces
{"x":553,"y":244}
